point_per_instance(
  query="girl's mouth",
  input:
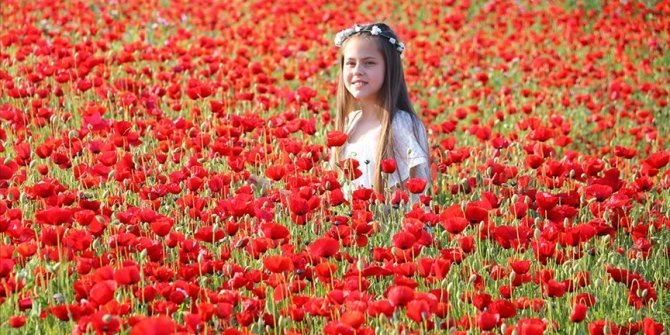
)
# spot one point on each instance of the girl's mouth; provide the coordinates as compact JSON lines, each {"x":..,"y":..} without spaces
{"x":358,"y":84}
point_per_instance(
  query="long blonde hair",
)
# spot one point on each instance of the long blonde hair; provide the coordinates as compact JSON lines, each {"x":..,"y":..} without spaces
{"x":393,"y":97}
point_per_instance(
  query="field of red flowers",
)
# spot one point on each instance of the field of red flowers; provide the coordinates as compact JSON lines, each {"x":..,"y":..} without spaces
{"x":130,"y":130}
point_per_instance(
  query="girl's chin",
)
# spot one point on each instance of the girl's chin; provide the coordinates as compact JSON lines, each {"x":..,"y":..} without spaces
{"x":360,"y":95}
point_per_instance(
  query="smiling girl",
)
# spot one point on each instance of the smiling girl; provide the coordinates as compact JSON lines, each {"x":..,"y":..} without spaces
{"x":373,"y":108}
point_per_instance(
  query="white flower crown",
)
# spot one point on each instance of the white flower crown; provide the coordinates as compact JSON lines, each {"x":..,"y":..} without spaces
{"x":375,"y":31}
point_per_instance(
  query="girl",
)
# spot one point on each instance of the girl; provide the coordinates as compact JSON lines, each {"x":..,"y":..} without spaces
{"x":374,"y":110}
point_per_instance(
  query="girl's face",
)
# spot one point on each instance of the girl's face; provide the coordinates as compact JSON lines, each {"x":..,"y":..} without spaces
{"x":364,"y":69}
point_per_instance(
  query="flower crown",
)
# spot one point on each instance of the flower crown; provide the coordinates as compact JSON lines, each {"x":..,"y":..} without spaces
{"x":375,"y":31}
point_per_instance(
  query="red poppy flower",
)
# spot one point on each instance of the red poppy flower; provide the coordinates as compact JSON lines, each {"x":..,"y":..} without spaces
{"x":416,"y":185}
{"x":6,"y":267}
{"x":325,"y":270}
{"x":651,"y":327}
{"x":275,"y":172}
{"x":399,"y":295}
{"x":336,"y":138}
{"x":599,"y":192}
{"x":418,"y":310}
{"x":324,"y":247}
{"x":127,"y":275}
{"x":658,"y":160}
{"x":102,"y":292}
{"x":555,"y":288}
{"x":336,"y":197}
{"x":388,"y":165}
{"x":277,"y":263}
{"x":298,"y":205}
{"x":476,"y":214}
{"x":403,"y":240}
{"x":7,"y":170}
{"x":487,"y":321}
{"x":541,"y":134}
{"x":531,"y":326}
{"x":275,"y":231}
{"x":545,"y":200}
{"x":154,"y":326}
{"x":380,"y":307}
{"x":585,"y":299}
{"x":520,"y":267}
{"x":17,"y":321}
{"x":454,"y":225}
{"x":354,"y":319}
{"x":162,"y":227}
{"x":578,"y":313}
{"x":55,"y":216}
{"x":351,"y":169}
{"x":624,"y":152}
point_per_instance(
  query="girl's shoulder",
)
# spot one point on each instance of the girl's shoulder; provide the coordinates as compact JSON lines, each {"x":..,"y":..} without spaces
{"x":404,"y":121}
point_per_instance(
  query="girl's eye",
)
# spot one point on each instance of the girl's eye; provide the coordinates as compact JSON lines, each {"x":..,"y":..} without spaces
{"x":371,"y":63}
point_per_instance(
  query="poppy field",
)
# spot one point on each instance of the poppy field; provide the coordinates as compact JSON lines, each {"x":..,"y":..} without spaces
{"x":164,"y":168}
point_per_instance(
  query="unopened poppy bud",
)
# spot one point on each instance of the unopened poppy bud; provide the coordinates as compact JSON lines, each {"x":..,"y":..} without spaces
{"x":107,"y":318}
{"x":23,"y":274}
{"x":59,"y":298}
{"x":473,"y":278}
{"x":606,"y":238}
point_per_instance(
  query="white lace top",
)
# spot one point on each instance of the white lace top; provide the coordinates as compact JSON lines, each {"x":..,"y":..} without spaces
{"x":410,"y":151}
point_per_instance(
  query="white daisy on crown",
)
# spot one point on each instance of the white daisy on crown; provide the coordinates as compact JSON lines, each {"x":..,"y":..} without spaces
{"x":343,"y":35}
